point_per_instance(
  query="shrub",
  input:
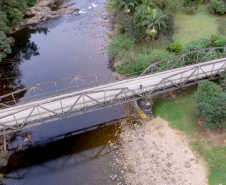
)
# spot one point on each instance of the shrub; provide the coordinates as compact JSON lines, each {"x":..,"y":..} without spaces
{"x":213,"y":111}
{"x":220,"y":42}
{"x":200,"y":43}
{"x":211,"y":104}
{"x":120,"y":45}
{"x":143,"y":61}
{"x":222,"y":80}
{"x":188,"y":6}
{"x":176,"y":47}
{"x":207,"y":90}
{"x":217,"y":7}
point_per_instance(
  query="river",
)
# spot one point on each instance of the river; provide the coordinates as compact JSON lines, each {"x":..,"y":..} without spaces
{"x":65,"y":46}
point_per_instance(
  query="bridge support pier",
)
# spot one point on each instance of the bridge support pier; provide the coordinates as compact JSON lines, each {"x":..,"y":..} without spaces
{"x":144,"y":107}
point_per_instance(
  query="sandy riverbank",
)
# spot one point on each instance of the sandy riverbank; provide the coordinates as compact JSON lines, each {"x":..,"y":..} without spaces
{"x":153,"y":153}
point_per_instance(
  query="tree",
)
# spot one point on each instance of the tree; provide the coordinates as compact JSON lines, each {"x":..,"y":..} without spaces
{"x":211,"y":105}
{"x":4,"y":45}
{"x":207,"y":90}
{"x":213,"y":111}
{"x":4,"y":23}
{"x":153,"y":20}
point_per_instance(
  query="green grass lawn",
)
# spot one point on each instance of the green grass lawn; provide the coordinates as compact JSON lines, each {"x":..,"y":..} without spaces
{"x":179,"y":114}
{"x":191,"y":27}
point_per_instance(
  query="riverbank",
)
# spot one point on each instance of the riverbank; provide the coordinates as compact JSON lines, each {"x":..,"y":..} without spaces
{"x":44,"y":10}
{"x":154,"y":153}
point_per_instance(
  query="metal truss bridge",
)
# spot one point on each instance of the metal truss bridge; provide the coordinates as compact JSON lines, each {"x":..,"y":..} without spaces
{"x":54,"y":100}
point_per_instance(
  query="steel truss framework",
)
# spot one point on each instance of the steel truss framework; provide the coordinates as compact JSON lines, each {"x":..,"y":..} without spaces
{"x":88,"y":103}
{"x":76,"y":83}
{"x":186,"y":59}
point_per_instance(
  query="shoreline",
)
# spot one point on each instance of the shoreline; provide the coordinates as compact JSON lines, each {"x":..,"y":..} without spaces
{"x":42,"y":11}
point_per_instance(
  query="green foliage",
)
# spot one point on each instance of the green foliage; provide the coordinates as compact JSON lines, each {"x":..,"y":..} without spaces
{"x":217,"y":7}
{"x":31,"y":2}
{"x":4,"y":45}
{"x":207,"y":90}
{"x":220,"y":42}
{"x":211,"y":104}
{"x":168,"y":31}
{"x":213,"y":111}
{"x":190,"y":6}
{"x":176,"y":47}
{"x":120,"y":45}
{"x":154,"y":19}
{"x":200,"y":43}
{"x":4,"y":23}
{"x":142,"y":61}
{"x":11,"y":14}
{"x":165,"y":5}
{"x":222,"y":80}
{"x":127,"y":6}
{"x":15,"y":16}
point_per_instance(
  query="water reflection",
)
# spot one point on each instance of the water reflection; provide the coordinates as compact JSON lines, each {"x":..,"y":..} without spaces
{"x":24,"y":48}
{"x":76,"y":153}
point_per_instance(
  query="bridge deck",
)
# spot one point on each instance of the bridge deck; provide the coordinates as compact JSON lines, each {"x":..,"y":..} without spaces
{"x":83,"y":101}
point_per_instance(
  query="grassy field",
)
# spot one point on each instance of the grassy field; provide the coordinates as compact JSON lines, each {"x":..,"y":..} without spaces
{"x":179,"y":114}
{"x":191,"y":27}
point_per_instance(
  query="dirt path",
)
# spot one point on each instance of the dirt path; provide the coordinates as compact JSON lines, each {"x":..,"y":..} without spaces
{"x":153,"y":153}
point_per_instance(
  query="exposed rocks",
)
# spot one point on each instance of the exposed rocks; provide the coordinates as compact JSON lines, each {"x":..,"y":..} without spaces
{"x":40,"y":12}
{"x":157,"y":158}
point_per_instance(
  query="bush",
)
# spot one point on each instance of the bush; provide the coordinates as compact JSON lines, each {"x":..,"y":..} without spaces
{"x":120,"y":45}
{"x":222,"y":80}
{"x":176,"y":47}
{"x":217,"y":7}
{"x":142,"y":62}
{"x":213,"y":111}
{"x":188,"y":6}
{"x":200,"y":43}
{"x":211,"y":104}
{"x":207,"y":90}
{"x":220,"y":42}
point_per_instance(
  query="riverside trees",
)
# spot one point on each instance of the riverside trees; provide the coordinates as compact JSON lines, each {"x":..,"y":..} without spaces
{"x":11,"y":14}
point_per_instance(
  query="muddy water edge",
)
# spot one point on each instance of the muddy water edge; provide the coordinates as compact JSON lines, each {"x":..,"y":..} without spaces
{"x":63,"y":153}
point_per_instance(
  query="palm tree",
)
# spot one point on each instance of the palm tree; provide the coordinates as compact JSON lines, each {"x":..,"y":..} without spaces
{"x":153,"y":20}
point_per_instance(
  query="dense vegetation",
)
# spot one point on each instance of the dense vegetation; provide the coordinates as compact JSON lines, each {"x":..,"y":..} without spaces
{"x":149,"y":25}
{"x":11,"y":14}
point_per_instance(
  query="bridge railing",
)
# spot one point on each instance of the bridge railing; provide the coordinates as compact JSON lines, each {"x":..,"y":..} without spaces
{"x":186,"y":59}
{"x":54,"y":88}
{"x":75,"y":83}
{"x":81,"y":103}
